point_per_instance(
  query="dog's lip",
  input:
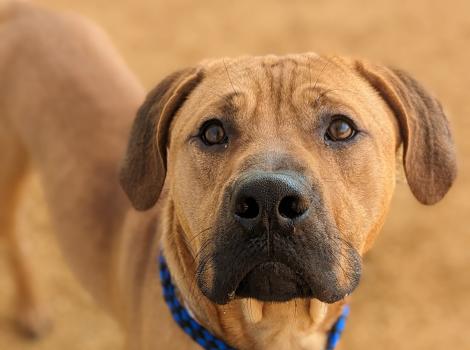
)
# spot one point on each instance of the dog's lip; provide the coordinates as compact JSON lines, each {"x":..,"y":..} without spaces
{"x":269,"y":263}
{"x":222,"y":294}
{"x":272,"y":265}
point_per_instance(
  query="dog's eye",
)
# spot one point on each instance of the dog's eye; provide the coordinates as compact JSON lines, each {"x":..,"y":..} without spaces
{"x":213,"y":133}
{"x":340,"y":129}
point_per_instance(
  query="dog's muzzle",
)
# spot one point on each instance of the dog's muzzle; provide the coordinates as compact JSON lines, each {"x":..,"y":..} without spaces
{"x":261,"y":203}
{"x":274,"y":242}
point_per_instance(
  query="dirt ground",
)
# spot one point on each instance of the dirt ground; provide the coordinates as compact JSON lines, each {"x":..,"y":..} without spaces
{"x":415,"y":293}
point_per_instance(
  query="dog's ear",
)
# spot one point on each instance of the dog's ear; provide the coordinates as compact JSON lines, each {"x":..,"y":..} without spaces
{"x":429,"y":154}
{"x":144,"y":168}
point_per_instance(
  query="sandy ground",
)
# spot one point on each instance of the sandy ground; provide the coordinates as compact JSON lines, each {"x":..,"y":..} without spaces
{"x":415,"y":292}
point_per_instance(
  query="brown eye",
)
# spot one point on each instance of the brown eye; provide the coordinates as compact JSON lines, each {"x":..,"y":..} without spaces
{"x":340,"y":129}
{"x":213,"y":133}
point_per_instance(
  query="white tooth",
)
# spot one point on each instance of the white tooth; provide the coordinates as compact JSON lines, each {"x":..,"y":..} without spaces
{"x":317,"y":311}
{"x":252,"y":310}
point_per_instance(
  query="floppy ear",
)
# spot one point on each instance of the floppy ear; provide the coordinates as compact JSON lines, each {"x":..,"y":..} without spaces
{"x":429,"y":154}
{"x":144,"y":168}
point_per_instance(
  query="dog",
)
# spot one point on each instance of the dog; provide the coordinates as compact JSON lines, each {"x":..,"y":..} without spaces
{"x":262,"y":181}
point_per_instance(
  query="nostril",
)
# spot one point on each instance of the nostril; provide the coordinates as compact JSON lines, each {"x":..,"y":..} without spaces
{"x":292,"y":207}
{"x":247,"y":208}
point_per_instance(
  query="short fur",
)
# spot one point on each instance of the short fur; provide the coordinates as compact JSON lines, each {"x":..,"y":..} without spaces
{"x":67,"y":102}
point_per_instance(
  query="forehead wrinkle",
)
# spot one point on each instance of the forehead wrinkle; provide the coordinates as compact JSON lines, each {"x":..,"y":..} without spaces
{"x":268,"y":92}
{"x":272,"y":87}
{"x":227,"y":105}
{"x":276,"y":94}
{"x":238,"y":105}
{"x":264,"y":83}
{"x":319,"y":95}
{"x":274,"y":72}
{"x":290,"y":85}
{"x":232,"y":73}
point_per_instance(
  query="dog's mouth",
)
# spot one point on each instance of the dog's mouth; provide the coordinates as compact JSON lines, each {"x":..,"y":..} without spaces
{"x":273,"y":281}
{"x":289,"y":267}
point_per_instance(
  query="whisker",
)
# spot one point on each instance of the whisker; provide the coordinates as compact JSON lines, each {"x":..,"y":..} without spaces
{"x":228,"y":76}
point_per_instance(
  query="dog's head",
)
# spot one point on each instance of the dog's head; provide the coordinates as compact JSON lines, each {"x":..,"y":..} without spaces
{"x":281,"y":169}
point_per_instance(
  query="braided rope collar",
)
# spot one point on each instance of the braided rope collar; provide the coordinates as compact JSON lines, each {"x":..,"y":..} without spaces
{"x":205,"y":338}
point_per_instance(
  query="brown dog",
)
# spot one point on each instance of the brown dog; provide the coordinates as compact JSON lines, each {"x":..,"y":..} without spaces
{"x":273,"y":174}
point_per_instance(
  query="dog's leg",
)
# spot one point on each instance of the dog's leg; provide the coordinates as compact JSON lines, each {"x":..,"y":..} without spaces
{"x":31,"y":316}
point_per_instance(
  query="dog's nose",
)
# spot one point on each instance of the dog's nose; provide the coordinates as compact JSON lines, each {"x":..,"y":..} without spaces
{"x":270,"y":198}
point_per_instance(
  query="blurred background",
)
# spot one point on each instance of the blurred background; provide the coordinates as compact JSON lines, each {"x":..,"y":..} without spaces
{"x":415,"y":292}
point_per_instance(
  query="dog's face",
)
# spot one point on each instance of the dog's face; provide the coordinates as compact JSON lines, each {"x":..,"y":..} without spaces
{"x":281,"y":169}
{"x":281,"y":178}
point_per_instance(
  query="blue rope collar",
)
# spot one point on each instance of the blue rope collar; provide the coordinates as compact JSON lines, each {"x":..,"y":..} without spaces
{"x":205,"y":338}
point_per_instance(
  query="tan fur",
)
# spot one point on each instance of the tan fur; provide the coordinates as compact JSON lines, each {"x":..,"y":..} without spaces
{"x":66,"y":105}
